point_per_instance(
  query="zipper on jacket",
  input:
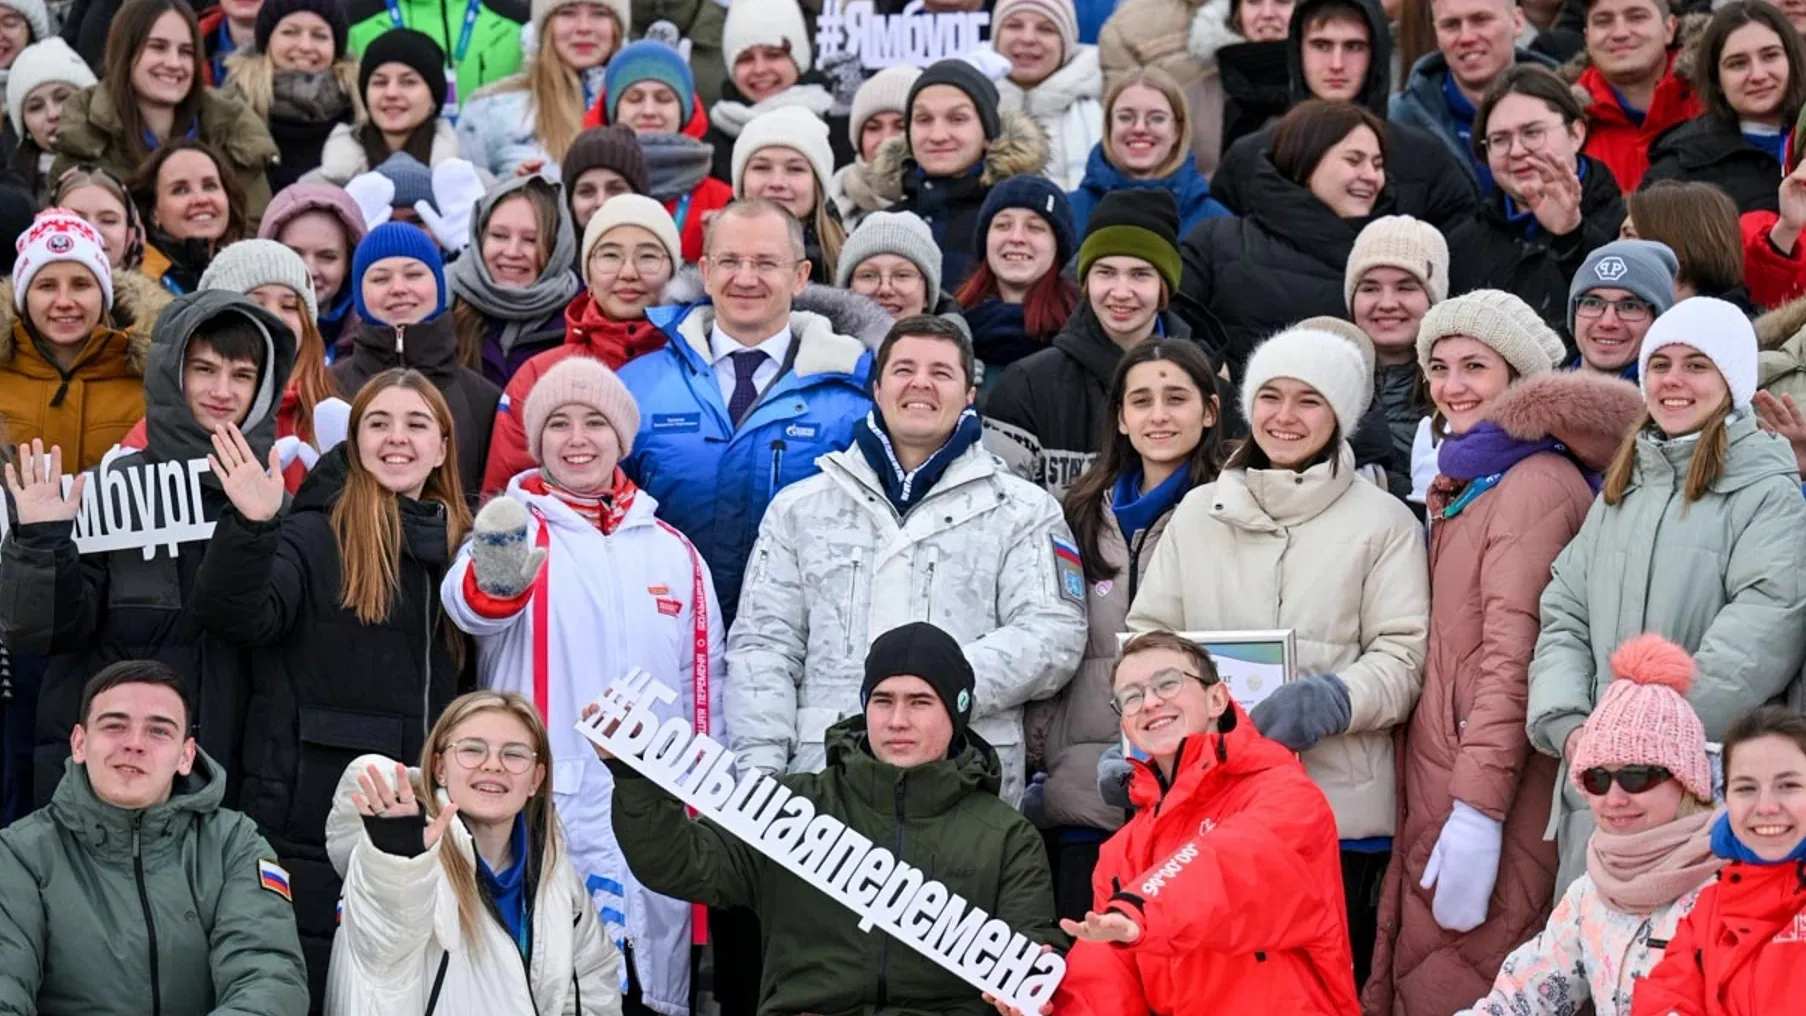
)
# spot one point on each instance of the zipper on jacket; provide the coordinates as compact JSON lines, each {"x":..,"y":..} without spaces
{"x":400,"y":331}
{"x":1141,"y":540}
{"x":150,"y":922}
{"x":426,"y":666}
{"x":884,"y":950}
{"x":929,"y":595}
{"x":777,"y":461}
{"x":852,"y":603}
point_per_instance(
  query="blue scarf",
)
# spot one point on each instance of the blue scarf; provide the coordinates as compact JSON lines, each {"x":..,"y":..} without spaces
{"x":1726,"y":845}
{"x":1135,"y":511}
{"x":1462,"y":112}
{"x":906,"y":489}
{"x":509,"y":888}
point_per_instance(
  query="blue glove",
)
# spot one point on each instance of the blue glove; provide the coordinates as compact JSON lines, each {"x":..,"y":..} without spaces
{"x":1113,"y":772}
{"x":1034,"y":801}
{"x":1302,"y":712}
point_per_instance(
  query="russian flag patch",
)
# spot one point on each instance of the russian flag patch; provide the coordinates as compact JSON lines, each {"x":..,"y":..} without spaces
{"x":274,"y":877}
{"x":1069,"y":571}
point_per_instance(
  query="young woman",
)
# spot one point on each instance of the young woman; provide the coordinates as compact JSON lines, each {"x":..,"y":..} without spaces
{"x":1750,"y":70}
{"x":1017,"y":300}
{"x":1552,"y":205}
{"x":399,"y":293}
{"x":1521,"y":447}
{"x":1181,"y":38}
{"x":23,"y":23}
{"x":952,"y":128}
{"x":1699,"y":223}
{"x":530,"y":119}
{"x":401,"y":80}
{"x":299,"y":79}
{"x":192,"y":208}
{"x":784,"y":157}
{"x":151,"y":93}
{"x":336,"y":598}
{"x":1298,"y":541}
{"x":1146,"y":146}
{"x":1397,"y":270}
{"x":603,"y":549}
{"x":877,"y":116}
{"x":1734,"y":953}
{"x":509,"y":299}
{"x":43,"y":77}
{"x":891,"y":259}
{"x":1049,"y":414}
{"x":323,"y":225}
{"x":1642,"y":764}
{"x":100,"y":198}
{"x":765,"y":44}
{"x":1053,"y":79}
{"x":630,"y":253}
{"x":602,"y":163}
{"x":1165,"y":441}
{"x":1287,"y":258}
{"x":471,"y":834}
{"x":1695,"y":481}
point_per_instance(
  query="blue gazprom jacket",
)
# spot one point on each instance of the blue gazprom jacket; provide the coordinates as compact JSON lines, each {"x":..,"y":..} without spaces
{"x":712,"y":481}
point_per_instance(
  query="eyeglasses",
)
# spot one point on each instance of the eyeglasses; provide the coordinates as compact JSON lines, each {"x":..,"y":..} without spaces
{"x":472,"y":753}
{"x":1630,"y":310}
{"x":1531,"y":136}
{"x":1154,"y":120}
{"x":610,"y":262}
{"x":902,"y":278}
{"x":1634,"y":779}
{"x":730,"y":265}
{"x":1165,"y":684}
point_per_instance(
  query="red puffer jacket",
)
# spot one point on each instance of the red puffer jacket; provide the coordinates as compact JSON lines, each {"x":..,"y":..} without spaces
{"x":1741,"y":952}
{"x":1234,"y":876}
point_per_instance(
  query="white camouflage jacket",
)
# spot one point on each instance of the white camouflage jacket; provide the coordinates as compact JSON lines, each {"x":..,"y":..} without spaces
{"x":983,"y":556}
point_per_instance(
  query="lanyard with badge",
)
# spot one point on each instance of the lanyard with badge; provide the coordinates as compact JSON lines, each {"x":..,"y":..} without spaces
{"x":472,"y":9}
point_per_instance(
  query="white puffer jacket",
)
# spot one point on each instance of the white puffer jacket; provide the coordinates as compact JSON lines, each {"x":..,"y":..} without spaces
{"x":615,"y":602}
{"x":400,"y":921}
{"x":1068,"y":109}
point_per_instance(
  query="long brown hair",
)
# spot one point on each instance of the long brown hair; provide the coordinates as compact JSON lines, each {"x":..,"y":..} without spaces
{"x":1162,"y":82}
{"x":1045,"y":307}
{"x":312,"y":381}
{"x":143,"y":186}
{"x":366,"y":522}
{"x":125,"y":40}
{"x":1416,"y":37}
{"x":1698,"y":222}
{"x":468,"y":323}
{"x":545,"y":842}
{"x":1705,"y":469}
{"x":1728,"y":19}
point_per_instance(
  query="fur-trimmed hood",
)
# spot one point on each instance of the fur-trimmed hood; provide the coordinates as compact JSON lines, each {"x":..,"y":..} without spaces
{"x":1687,"y":35}
{"x":1774,"y":328}
{"x":846,"y":312}
{"x":1211,"y":31}
{"x":253,"y":77}
{"x":1020,"y":148}
{"x":1587,"y":411}
{"x":137,"y":300}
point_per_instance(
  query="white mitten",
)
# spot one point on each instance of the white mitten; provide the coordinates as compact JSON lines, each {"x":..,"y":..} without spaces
{"x":504,"y":563}
{"x":1463,"y":867}
{"x":456,"y":190}
{"x":375,"y":197}
{"x":993,"y":64}
{"x":332,"y":420}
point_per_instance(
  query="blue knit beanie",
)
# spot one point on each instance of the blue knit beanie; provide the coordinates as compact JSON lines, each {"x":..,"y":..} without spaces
{"x":395,"y":240}
{"x":649,"y":60}
{"x":1038,"y":194}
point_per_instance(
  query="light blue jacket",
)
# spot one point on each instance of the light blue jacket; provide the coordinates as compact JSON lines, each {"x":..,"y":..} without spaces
{"x":495,"y":127}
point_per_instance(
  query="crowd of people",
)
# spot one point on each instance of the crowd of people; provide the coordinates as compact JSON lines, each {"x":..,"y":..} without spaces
{"x":381,"y":382}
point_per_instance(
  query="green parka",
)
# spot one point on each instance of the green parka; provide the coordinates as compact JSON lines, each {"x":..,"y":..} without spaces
{"x":106,"y":911}
{"x":945,"y":818}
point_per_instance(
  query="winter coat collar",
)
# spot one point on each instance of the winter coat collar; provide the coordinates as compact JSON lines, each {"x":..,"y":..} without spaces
{"x":604,"y":338}
{"x":1020,"y":148}
{"x":562,"y":516}
{"x":1587,"y":412}
{"x":1594,"y":92}
{"x":1210,"y":32}
{"x":107,"y":830}
{"x":847,"y":313}
{"x":1599,"y":194}
{"x":430,"y":347}
{"x":731,"y":116}
{"x":342,"y":157}
{"x":849,"y":468}
{"x":1751,"y":457}
{"x":1377,"y":90}
{"x":170,"y":428}
{"x":136,"y":303}
{"x":820,"y":349}
{"x":1273,"y":500}
{"x":1292,"y":212}
{"x":1703,"y":142}
{"x":1237,"y":749}
{"x":423,"y":524}
{"x":925,"y":790}
{"x":1083,"y":340}
{"x":1081,"y":77}
{"x":1187,"y":186}
{"x":1424,"y":86}
{"x":92,"y":129}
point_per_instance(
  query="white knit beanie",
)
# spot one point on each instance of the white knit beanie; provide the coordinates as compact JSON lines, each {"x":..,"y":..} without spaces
{"x":544,"y":9}
{"x":1715,"y":328}
{"x":901,"y":233}
{"x":1060,"y":12}
{"x":632,"y":210}
{"x":884,"y":92}
{"x":58,"y":234}
{"x":1324,"y":360}
{"x":40,"y":64}
{"x":35,"y":14}
{"x":787,"y":127}
{"x":1497,"y":319}
{"x":765,"y":23}
{"x":247,"y":264}
{"x":1348,"y":330}
{"x":1409,"y":245}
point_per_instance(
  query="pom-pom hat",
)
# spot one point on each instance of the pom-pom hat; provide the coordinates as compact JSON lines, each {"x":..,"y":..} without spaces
{"x":1644,"y":717}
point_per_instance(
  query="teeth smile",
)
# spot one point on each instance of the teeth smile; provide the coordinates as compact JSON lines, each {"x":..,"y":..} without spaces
{"x":1770,"y":830}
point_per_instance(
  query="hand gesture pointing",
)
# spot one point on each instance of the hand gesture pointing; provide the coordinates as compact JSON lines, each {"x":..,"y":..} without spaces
{"x":37,"y":486}
{"x":255,"y":492}
{"x":1554,"y":196}
{"x":379,"y":799}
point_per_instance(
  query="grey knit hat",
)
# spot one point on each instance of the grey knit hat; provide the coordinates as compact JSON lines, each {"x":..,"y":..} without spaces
{"x":1499,"y":320}
{"x":247,"y":264}
{"x":1644,"y":267}
{"x":884,"y":92}
{"x":901,"y":233}
{"x":412,"y":179}
{"x":1409,"y":245}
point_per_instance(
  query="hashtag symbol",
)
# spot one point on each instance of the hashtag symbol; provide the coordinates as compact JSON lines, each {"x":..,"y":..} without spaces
{"x":827,"y":30}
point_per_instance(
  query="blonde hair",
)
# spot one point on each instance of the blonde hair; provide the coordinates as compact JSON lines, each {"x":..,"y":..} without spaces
{"x":1164,"y":83}
{"x":1707,"y":465}
{"x":557,"y":92}
{"x":468,"y":323}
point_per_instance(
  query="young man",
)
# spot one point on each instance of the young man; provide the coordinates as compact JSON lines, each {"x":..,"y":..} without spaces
{"x":1617,"y":294}
{"x":903,"y":770}
{"x":135,"y":891}
{"x":215,"y":358}
{"x":1636,"y":96}
{"x":916,"y":522}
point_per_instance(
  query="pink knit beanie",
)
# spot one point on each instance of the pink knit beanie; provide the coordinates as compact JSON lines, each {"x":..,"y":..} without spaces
{"x":583,"y":381}
{"x":1644,"y":717}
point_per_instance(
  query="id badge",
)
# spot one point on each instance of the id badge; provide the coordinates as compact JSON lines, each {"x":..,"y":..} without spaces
{"x":451,"y":94}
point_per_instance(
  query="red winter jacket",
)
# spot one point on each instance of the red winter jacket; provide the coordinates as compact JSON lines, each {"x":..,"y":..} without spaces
{"x":1233,"y":874}
{"x":1621,"y":144}
{"x":1772,"y":278}
{"x":1741,"y":952}
{"x":709,"y":196}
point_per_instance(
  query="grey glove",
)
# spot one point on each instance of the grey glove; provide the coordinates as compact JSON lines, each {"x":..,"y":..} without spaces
{"x":845,"y":74}
{"x":1034,"y":801}
{"x":1113,"y":772}
{"x":1302,"y":712}
{"x":504,"y":564}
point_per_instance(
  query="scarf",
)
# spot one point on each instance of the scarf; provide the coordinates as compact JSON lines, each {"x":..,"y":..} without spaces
{"x":1135,"y":511}
{"x":907,"y":488}
{"x":731,"y":117}
{"x":1726,"y":845}
{"x":187,"y":259}
{"x":516,"y":310}
{"x":999,"y":333}
{"x":855,"y":182}
{"x":604,"y":511}
{"x":1486,"y":450}
{"x":676,"y":164}
{"x":308,"y":97}
{"x":613,"y":342}
{"x":508,"y":888}
{"x":1640,"y":873}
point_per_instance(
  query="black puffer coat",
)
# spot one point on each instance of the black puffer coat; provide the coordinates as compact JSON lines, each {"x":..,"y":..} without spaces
{"x":1711,"y":151}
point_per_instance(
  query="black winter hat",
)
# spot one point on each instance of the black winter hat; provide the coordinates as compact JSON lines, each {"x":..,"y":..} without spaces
{"x":273,"y":11}
{"x":1141,"y":223}
{"x":919,"y":649}
{"x":615,"y":147}
{"x":406,"y":46}
{"x":968,"y":79}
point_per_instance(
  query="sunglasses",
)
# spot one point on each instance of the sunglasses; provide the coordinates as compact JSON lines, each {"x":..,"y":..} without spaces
{"x":1634,"y":779}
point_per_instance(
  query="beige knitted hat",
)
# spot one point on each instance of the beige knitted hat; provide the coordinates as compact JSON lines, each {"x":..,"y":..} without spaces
{"x":1401,"y":242}
{"x":1499,"y":320}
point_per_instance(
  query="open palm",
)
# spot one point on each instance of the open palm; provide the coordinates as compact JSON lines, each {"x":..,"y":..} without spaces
{"x":255,"y":491}
{"x":36,"y":484}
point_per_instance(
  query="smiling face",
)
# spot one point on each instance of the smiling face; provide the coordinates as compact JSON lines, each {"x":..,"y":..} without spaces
{"x":134,"y":743}
{"x":1143,"y":130}
{"x":1683,"y":389}
{"x":43,"y":112}
{"x":1265,"y":20}
{"x":398,"y":98}
{"x":1622,"y":812}
{"x":1477,"y":37}
{"x":191,"y":198}
{"x":906,"y":723}
{"x":400,"y":291}
{"x":1351,"y":174}
{"x":1335,"y":56}
{"x":1162,"y":724}
{"x":1466,"y":376}
{"x":1765,"y":793}
{"x":303,"y":42}
{"x":486,"y":791}
{"x":946,"y":138}
{"x":761,"y":72}
{"x":1020,"y":248}
{"x":592,"y":190}
{"x":218,"y":390}
{"x":1031,"y":42}
{"x":163,"y":72}
{"x":584,"y":35}
{"x":511,"y":243}
{"x":579,"y":450}
{"x":894,"y":282}
{"x":627,"y":271}
{"x":1125,"y":294}
{"x":1521,"y":132}
{"x":399,"y":441}
{"x":64,"y":303}
{"x":783,"y":176}
{"x":1163,"y":414}
{"x":283,"y":302}
{"x":320,"y":240}
{"x":650,"y":107}
{"x":922,"y":388}
{"x":99,"y":208}
{"x":1608,"y":341}
{"x":1628,"y":39}
{"x":879,"y":128}
{"x":15,"y":35}
{"x":1389,"y":304}
{"x":752,"y":273}
{"x":1752,"y":70}
{"x":1291,"y":422}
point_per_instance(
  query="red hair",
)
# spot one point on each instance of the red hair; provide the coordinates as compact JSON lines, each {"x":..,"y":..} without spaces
{"x":1045,"y":307}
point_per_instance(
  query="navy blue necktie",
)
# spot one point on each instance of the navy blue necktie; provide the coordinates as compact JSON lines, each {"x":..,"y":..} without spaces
{"x":746,"y":362}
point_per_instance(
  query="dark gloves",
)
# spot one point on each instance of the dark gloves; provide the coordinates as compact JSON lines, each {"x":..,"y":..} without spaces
{"x":1113,"y":772}
{"x":1034,"y":801}
{"x":1304,"y":711}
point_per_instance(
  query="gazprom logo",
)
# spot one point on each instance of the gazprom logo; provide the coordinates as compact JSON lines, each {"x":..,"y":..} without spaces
{"x":1611,"y":269}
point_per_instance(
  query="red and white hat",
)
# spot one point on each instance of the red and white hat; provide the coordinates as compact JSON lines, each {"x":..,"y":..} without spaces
{"x":58,"y":234}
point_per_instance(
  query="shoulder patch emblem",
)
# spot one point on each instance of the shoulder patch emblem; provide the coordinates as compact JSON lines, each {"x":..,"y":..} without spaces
{"x":274,"y":877}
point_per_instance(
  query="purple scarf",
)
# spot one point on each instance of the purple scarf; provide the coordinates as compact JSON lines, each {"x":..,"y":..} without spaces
{"x":1486,"y":450}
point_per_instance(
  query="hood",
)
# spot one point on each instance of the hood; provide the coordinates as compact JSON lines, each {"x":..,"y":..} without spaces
{"x":173,"y":434}
{"x":1751,"y":457}
{"x":1236,"y":750}
{"x":931,"y":789}
{"x":1773,"y":329}
{"x":847,"y":312}
{"x":1080,"y":77}
{"x":106,"y":829}
{"x":564,"y":248}
{"x":1377,"y":91}
{"x":1209,"y":33}
{"x":1588,"y":412}
{"x":136,"y":303}
{"x":1020,"y":148}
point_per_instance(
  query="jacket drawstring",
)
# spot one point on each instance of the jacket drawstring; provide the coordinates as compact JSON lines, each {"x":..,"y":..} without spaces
{"x":56,"y":401}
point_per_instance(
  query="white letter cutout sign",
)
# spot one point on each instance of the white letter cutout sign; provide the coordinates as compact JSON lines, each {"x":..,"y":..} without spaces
{"x":146,"y":505}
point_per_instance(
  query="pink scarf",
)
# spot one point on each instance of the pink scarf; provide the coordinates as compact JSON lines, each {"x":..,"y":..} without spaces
{"x":1640,"y":873}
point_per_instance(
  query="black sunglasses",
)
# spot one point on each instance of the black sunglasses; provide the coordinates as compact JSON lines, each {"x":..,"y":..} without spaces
{"x":1634,"y":779}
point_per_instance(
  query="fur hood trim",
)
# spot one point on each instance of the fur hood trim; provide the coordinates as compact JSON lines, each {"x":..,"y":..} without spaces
{"x":1774,"y":328}
{"x":342,"y":158}
{"x":1687,"y":35}
{"x":1587,"y":411}
{"x":1210,"y":31}
{"x":253,"y":77}
{"x":137,"y":300}
{"x":1020,"y":148}
{"x":846,"y":312}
